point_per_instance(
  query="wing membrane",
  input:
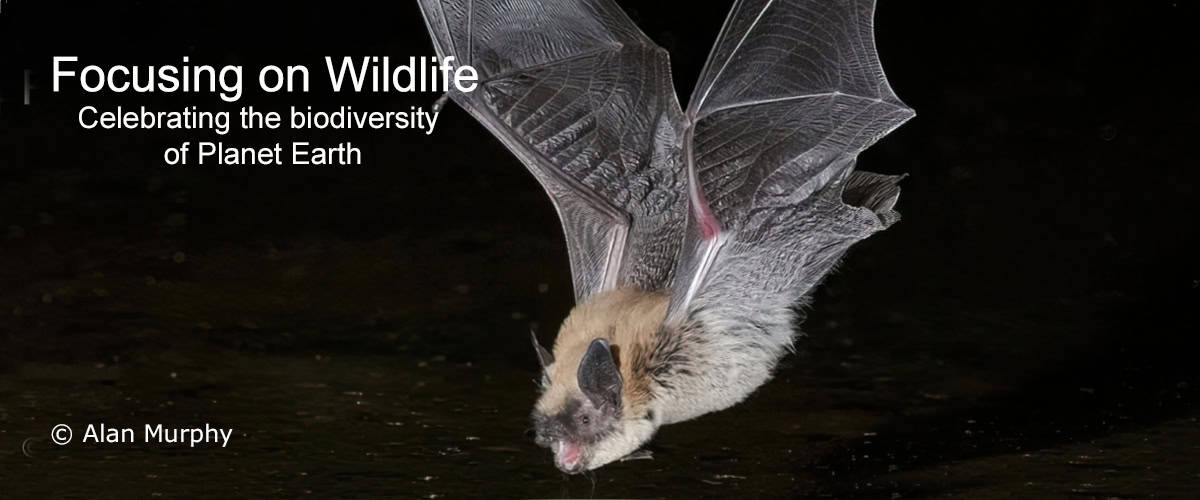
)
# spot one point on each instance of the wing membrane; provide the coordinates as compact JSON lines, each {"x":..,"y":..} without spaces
{"x":792,"y":91}
{"x":585,"y":100}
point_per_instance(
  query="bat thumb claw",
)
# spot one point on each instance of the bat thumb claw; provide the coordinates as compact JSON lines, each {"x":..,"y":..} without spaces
{"x":440,"y":102}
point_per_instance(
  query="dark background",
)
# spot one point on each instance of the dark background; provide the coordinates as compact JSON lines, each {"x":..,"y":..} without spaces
{"x":1027,"y":329}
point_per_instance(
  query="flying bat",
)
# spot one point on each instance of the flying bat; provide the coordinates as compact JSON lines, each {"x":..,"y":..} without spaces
{"x":693,"y":234}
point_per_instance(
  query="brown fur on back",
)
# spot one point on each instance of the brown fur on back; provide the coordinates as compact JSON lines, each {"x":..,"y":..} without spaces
{"x":629,"y":319}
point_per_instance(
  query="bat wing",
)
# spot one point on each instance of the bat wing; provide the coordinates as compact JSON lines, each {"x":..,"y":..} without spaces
{"x":792,"y":91}
{"x":585,"y":101}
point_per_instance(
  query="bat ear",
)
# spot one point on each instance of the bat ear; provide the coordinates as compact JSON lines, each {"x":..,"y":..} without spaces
{"x":598,"y":376}
{"x":544,"y":356}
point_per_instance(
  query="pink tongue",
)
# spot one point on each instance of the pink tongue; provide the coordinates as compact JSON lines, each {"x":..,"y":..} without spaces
{"x":570,"y":454}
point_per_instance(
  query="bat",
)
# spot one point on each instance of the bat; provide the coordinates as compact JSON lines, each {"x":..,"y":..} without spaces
{"x":693,"y":234}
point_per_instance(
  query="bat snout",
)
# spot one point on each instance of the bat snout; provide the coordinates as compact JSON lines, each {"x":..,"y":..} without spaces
{"x":568,"y":457}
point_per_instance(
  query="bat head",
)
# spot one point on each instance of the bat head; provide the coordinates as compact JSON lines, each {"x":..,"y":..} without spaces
{"x":589,"y":414}
{"x":594,"y":406}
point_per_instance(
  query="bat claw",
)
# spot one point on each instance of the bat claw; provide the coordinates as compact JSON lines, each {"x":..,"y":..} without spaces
{"x":440,"y":102}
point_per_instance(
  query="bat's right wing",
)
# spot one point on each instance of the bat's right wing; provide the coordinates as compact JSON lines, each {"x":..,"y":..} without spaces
{"x":585,"y":100}
{"x":791,"y":93}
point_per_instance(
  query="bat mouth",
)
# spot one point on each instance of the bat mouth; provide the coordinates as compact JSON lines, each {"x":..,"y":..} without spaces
{"x":568,"y":456}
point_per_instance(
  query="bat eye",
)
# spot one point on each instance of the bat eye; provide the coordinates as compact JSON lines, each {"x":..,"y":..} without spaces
{"x":585,"y":420}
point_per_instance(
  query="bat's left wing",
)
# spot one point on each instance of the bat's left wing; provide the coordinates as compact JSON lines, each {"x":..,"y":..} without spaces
{"x":585,"y":100}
